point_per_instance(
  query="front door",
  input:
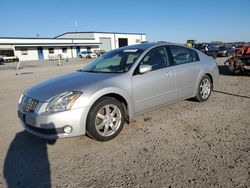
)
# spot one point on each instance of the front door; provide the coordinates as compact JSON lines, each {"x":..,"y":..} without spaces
{"x":156,"y":87}
{"x":40,"y":53}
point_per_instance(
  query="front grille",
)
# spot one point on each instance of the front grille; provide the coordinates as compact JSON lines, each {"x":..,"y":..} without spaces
{"x":29,"y":104}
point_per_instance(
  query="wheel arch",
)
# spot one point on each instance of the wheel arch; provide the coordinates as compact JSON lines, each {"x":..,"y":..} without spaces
{"x":122,"y":100}
{"x":117,"y":94}
{"x":211,"y":78}
{"x":199,"y":79}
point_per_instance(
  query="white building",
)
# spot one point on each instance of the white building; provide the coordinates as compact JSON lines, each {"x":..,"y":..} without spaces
{"x":69,"y":44}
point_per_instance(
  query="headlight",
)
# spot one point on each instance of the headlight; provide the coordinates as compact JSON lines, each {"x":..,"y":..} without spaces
{"x":20,"y":99}
{"x":63,"y":102}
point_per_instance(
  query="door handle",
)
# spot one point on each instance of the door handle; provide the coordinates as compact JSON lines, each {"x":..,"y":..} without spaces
{"x":170,"y":73}
{"x":197,"y":67}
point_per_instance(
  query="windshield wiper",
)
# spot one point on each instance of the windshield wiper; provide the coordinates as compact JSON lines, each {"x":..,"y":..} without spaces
{"x":82,"y":70}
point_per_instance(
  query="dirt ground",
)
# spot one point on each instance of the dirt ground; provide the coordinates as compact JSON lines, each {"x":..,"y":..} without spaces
{"x":187,"y":144}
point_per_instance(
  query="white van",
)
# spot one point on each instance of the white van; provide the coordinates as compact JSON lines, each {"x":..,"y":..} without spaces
{"x":7,"y":54}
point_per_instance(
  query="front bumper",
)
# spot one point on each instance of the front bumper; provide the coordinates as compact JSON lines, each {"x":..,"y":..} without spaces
{"x":247,"y":67}
{"x":51,"y":125}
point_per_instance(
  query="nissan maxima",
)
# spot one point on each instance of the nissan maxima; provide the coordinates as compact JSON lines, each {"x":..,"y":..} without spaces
{"x":117,"y":86}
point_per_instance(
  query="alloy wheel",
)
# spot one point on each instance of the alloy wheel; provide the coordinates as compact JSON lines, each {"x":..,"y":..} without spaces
{"x":108,"y":120}
{"x":205,"y":88}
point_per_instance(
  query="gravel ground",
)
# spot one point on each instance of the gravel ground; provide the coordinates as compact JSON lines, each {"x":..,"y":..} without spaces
{"x":187,"y":144}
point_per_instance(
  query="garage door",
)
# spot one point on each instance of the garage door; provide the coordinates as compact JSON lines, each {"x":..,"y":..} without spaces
{"x":105,"y":44}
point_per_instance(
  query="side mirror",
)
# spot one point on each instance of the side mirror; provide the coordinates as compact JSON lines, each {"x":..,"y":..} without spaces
{"x":144,"y":69}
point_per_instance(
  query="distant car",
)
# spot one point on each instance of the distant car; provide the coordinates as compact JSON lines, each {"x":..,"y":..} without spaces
{"x":216,"y":51}
{"x":7,"y":54}
{"x":1,"y":61}
{"x":230,"y":50}
{"x":220,"y":51}
{"x":87,"y":54}
{"x":203,"y":47}
{"x":99,"y":52}
{"x":114,"y":88}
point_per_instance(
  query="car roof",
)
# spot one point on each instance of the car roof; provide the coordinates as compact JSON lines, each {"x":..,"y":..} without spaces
{"x":142,"y":46}
{"x":147,"y":45}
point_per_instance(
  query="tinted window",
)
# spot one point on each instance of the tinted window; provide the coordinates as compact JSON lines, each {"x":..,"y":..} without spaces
{"x":195,"y":56}
{"x":157,"y":58}
{"x":181,"y":54}
{"x":222,"y":48}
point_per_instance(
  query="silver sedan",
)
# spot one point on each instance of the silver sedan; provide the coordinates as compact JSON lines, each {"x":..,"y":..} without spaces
{"x":114,"y":88}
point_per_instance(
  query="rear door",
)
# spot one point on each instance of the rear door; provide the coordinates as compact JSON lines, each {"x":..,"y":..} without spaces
{"x":187,"y":69}
{"x":156,"y":87}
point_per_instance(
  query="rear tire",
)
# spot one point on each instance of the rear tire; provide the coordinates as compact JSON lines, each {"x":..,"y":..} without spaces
{"x":204,"y":89}
{"x":105,"y":119}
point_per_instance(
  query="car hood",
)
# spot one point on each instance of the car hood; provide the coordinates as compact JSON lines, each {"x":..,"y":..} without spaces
{"x":75,"y":81}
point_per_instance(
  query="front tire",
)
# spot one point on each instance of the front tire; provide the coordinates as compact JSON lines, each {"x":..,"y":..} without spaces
{"x":204,"y":89}
{"x":105,"y":119}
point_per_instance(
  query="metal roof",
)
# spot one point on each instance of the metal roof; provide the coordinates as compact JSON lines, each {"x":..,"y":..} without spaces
{"x":100,"y":32}
{"x":46,"y":41}
{"x":41,"y":38}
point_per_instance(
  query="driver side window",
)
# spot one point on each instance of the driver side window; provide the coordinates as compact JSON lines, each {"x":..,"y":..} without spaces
{"x":157,"y":58}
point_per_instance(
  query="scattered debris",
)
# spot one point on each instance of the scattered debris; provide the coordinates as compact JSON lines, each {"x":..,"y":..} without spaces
{"x":147,"y":118}
{"x":21,"y":73}
{"x":240,"y":61}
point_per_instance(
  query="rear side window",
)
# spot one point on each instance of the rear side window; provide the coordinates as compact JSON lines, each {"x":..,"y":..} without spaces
{"x":195,"y":56}
{"x":183,"y":55}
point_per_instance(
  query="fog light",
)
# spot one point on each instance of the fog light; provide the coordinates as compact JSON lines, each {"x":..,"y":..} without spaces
{"x":67,"y":129}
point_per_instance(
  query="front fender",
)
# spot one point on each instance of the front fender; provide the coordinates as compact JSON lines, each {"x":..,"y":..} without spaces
{"x":88,"y":101}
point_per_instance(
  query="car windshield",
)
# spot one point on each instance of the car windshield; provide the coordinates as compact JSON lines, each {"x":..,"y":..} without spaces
{"x":210,"y":47}
{"x":116,"y":61}
{"x":222,"y":48}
